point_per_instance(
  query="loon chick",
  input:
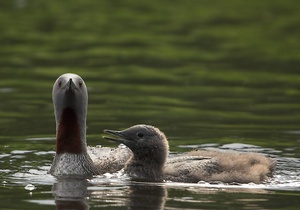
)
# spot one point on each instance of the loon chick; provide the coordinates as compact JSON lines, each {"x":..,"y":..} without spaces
{"x":150,"y":160}
{"x":70,"y":100}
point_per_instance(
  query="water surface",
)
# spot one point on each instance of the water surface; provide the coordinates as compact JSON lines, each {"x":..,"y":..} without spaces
{"x":207,"y":74}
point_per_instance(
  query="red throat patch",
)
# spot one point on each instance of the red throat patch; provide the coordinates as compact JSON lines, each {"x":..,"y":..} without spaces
{"x":68,"y":133}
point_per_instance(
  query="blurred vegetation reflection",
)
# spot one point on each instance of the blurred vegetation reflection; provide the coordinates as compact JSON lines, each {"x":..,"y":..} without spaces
{"x":202,"y":71}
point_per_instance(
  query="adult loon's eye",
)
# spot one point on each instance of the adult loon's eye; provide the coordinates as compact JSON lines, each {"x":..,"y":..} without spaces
{"x":80,"y":83}
{"x":140,"y":135}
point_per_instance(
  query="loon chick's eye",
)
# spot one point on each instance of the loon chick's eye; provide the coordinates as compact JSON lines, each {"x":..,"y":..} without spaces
{"x":59,"y":83}
{"x":140,"y":135}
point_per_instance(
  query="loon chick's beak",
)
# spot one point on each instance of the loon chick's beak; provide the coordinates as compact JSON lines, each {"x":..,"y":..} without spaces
{"x":120,"y":137}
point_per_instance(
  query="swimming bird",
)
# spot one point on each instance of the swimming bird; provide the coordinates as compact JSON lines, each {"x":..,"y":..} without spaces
{"x":73,"y":157}
{"x":150,"y":160}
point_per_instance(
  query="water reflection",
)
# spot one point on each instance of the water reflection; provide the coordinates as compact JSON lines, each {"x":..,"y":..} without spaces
{"x":73,"y":194}
{"x":70,"y":194}
{"x":119,"y":192}
{"x":147,"y":196}
{"x":71,"y":204}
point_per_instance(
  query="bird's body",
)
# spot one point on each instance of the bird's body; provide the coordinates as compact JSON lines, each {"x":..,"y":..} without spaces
{"x":150,"y":160}
{"x":148,"y":155}
{"x":73,"y":157}
{"x":109,"y":160}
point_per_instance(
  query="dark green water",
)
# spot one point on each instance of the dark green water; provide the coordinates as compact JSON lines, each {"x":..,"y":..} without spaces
{"x":206,"y":73}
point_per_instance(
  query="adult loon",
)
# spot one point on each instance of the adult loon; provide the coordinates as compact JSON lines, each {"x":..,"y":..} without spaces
{"x":73,"y":157}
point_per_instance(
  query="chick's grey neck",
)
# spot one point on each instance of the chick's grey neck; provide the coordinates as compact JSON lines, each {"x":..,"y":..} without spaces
{"x":147,"y":163}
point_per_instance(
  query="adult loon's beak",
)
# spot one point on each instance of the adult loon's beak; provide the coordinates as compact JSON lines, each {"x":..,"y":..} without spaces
{"x":70,"y":86}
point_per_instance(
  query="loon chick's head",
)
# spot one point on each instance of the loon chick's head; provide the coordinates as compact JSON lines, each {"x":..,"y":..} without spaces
{"x":148,"y":145}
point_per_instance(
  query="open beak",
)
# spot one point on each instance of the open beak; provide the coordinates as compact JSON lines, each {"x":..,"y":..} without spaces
{"x":119,"y":137}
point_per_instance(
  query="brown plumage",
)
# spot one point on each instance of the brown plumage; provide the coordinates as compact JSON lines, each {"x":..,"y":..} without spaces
{"x":150,"y":160}
{"x":238,"y":167}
